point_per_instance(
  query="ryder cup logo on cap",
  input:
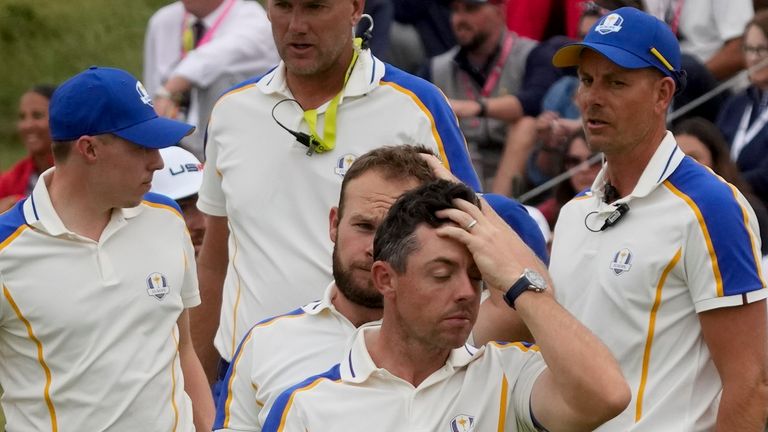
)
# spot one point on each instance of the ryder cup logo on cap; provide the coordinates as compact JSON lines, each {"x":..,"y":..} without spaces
{"x":631,"y":39}
{"x":143,"y":94}
{"x":609,"y":24}
{"x":110,"y":101}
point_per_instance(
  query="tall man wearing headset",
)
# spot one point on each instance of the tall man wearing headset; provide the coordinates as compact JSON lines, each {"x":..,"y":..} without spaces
{"x":277,"y":149}
{"x":673,"y":287}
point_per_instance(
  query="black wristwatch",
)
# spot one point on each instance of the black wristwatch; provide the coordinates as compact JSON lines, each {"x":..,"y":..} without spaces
{"x":528,"y":281}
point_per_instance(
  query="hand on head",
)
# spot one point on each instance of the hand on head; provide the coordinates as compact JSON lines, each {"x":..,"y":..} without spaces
{"x":498,"y":251}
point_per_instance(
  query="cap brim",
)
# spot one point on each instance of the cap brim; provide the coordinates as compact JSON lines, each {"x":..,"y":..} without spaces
{"x":570,"y":55}
{"x":156,"y":133}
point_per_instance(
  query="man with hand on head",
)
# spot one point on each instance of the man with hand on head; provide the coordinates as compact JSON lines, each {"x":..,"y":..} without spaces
{"x":280,"y":351}
{"x":96,"y":275}
{"x":661,"y":257}
{"x":415,"y":371}
{"x":277,"y":150}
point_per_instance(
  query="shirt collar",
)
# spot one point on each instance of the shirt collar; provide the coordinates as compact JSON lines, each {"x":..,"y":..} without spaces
{"x":365,"y":77}
{"x":40,"y":214}
{"x":358,"y":365}
{"x":324,"y":303}
{"x":662,"y":164}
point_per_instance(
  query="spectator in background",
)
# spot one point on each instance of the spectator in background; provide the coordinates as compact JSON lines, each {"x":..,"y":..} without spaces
{"x":710,"y":30}
{"x":194,"y":50}
{"x":432,"y":21}
{"x":180,"y":180}
{"x":700,"y":139}
{"x":577,"y":157}
{"x":743,"y":119}
{"x":32,"y":126}
{"x":494,"y":79}
{"x":560,"y":117}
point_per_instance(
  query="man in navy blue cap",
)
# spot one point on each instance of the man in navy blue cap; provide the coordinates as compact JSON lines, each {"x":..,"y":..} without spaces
{"x":96,"y":275}
{"x":661,"y":258}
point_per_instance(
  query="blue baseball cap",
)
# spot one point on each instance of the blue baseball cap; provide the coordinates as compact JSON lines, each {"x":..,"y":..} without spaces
{"x":632,"y":39}
{"x":103,"y":100}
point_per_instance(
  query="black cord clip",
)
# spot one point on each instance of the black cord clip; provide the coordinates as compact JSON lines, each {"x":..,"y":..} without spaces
{"x":304,"y":138}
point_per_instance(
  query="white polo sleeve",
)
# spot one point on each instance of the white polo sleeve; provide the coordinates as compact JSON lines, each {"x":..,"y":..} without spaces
{"x":522,"y":364}
{"x":211,"y":199}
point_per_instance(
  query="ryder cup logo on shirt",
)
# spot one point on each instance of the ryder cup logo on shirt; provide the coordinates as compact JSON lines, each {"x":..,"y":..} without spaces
{"x":611,"y":23}
{"x":622,"y":261}
{"x":157,"y":285}
{"x":463,"y":423}
{"x":143,"y":94}
{"x":343,"y":164}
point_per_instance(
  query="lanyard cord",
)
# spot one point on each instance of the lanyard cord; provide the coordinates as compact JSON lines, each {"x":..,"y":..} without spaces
{"x":188,"y":37}
{"x":328,"y":142}
{"x":311,"y":140}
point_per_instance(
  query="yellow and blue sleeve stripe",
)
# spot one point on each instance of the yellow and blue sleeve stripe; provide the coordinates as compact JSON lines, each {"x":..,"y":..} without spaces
{"x":12,"y":222}
{"x":277,"y":414}
{"x":224,"y":398}
{"x":158,"y":200}
{"x":449,"y":138}
{"x":731,"y":244}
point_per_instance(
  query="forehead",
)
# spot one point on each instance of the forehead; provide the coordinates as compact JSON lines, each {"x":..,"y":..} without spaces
{"x":754,"y":35}
{"x":373,"y":189}
{"x":433,"y":248}
{"x":34,"y":100}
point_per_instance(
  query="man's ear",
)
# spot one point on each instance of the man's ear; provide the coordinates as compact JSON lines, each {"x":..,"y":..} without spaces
{"x":86,"y":146}
{"x":333,"y":223}
{"x":357,"y":11}
{"x":384,"y":278}
{"x":665,"y":93}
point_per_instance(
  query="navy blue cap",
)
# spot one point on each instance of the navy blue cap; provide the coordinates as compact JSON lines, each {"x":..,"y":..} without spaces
{"x":630,"y":38}
{"x":107,"y":100}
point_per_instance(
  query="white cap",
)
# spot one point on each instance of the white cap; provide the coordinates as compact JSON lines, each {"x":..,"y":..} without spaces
{"x":181,"y":176}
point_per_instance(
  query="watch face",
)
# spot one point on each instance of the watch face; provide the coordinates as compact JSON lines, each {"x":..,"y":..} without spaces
{"x":537,"y":281}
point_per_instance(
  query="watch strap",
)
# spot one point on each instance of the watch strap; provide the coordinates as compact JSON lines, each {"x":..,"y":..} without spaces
{"x":520,"y":286}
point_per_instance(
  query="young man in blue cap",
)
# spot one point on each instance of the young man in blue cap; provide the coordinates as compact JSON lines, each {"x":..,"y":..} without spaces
{"x":96,"y":275}
{"x":673,"y":287}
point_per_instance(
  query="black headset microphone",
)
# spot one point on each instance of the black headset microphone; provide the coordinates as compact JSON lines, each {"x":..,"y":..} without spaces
{"x":611,"y":194}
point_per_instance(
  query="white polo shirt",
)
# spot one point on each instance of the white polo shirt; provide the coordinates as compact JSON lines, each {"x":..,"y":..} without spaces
{"x":688,"y":244}
{"x":88,"y":335}
{"x":277,"y":353}
{"x":277,"y":198}
{"x":481,"y":389}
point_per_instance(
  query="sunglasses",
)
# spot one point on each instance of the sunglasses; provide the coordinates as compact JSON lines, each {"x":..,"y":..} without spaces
{"x":574,"y":161}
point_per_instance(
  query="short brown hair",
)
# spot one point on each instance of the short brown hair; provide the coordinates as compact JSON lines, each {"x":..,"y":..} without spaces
{"x":61,"y":150}
{"x":393,"y":162}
